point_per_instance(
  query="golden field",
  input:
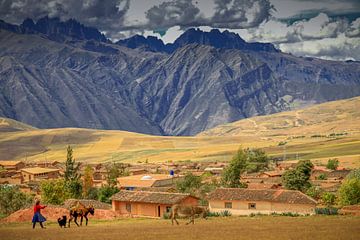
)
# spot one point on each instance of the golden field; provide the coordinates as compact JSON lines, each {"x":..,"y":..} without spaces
{"x":295,"y":128}
{"x":264,"y":227}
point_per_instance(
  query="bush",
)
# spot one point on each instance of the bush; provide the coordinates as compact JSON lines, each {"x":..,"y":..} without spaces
{"x":53,"y":191}
{"x":326,"y":211}
{"x":287,"y":214}
{"x":328,"y":198}
{"x":349,"y":192}
{"x":322,"y":177}
{"x":167,"y":215}
{"x":12,"y":199}
{"x":213,"y":214}
{"x":106,"y":192}
{"x":314,"y":192}
{"x":332,"y":164}
{"x":224,"y":213}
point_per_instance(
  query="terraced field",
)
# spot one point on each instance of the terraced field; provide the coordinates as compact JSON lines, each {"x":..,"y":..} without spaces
{"x":318,"y":133}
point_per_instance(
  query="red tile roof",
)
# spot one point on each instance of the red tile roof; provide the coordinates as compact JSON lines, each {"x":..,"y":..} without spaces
{"x":270,"y":195}
{"x":150,"y":197}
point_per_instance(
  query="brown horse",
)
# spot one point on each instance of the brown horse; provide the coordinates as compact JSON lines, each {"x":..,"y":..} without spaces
{"x":187,"y":211}
{"x":79,"y":210}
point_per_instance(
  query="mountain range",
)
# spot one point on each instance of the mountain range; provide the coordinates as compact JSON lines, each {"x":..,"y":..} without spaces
{"x":64,"y":74}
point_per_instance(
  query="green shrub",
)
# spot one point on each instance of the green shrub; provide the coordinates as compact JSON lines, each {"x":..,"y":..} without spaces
{"x":12,"y":199}
{"x":167,"y":215}
{"x":328,"y":198}
{"x":326,"y":211}
{"x":225,"y":213}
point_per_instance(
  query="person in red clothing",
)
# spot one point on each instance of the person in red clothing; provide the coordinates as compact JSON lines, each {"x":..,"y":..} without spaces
{"x":37,"y":215}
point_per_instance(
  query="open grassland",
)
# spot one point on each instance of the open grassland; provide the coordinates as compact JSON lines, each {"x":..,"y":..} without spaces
{"x":301,"y":134}
{"x":264,"y":227}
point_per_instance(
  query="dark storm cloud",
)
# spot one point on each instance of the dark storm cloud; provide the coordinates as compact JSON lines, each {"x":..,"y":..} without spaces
{"x":240,"y":14}
{"x":168,"y":14}
{"x":107,"y":16}
{"x":233,"y":14}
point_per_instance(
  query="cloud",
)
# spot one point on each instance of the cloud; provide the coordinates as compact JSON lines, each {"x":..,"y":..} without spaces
{"x":172,"y":13}
{"x":237,"y":14}
{"x":233,"y":14}
{"x":318,"y":27}
{"x":354,"y":29}
{"x":107,"y":16}
{"x":340,"y":48}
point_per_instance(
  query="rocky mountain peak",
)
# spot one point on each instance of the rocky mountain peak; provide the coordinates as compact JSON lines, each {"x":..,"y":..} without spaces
{"x":58,"y":30}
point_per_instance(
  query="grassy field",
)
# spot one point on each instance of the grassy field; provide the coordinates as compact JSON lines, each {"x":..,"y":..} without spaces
{"x":264,"y":227}
{"x":296,"y":129}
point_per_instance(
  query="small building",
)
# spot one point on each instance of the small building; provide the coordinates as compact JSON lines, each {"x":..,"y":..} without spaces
{"x":12,"y":165}
{"x":137,"y":171}
{"x":148,"y":204}
{"x":240,"y":201}
{"x":38,"y":174}
{"x":271,"y":174}
{"x":150,"y":180}
{"x":158,"y":189}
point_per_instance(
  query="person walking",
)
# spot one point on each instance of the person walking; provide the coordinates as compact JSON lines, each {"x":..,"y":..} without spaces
{"x":37,"y":215}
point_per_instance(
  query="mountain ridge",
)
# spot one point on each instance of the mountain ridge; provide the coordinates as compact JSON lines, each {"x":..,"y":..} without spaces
{"x":87,"y":83}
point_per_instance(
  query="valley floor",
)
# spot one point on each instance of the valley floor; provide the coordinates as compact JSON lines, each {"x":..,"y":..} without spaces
{"x":260,"y":227}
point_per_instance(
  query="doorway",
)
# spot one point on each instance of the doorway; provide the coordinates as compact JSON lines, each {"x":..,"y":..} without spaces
{"x":159,"y":211}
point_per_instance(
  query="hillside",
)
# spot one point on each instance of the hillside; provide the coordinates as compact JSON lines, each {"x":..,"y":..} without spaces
{"x":309,"y":138}
{"x":10,"y":125}
{"x":56,"y":74}
{"x":331,"y":117}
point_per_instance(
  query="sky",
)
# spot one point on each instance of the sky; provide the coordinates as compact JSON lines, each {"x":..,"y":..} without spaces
{"x":328,"y":29}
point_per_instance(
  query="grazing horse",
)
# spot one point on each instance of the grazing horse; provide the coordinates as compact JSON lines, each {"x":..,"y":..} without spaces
{"x":79,"y":210}
{"x":187,"y":211}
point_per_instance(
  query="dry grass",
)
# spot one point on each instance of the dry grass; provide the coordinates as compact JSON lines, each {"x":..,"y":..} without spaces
{"x":217,"y":144}
{"x":314,"y":227}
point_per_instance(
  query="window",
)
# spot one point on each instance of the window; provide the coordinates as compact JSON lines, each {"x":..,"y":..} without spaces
{"x":128,"y":207}
{"x":228,"y":205}
{"x":252,"y":205}
{"x":168,"y":209}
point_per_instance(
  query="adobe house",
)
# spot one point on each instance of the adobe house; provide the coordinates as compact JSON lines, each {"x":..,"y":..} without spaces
{"x":149,"y":180}
{"x":271,"y":174}
{"x":240,"y":201}
{"x":149,"y":204}
{"x":38,"y":174}
{"x":12,"y":165}
{"x":137,"y":171}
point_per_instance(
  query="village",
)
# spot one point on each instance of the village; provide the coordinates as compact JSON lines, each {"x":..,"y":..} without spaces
{"x":152,"y":189}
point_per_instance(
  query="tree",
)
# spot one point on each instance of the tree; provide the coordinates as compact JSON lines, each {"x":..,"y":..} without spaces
{"x":12,"y":199}
{"x":190,"y":184}
{"x":73,"y":184}
{"x":314,"y":192}
{"x":332,"y":164}
{"x":237,"y":166}
{"x":115,"y":170}
{"x":257,"y":160}
{"x":87,"y":180}
{"x":328,"y":198}
{"x":105,"y":193}
{"x":298,"y":178}
{"x":53,"y":191}
{"x":349,"y":192}
{"x":71,"y":169}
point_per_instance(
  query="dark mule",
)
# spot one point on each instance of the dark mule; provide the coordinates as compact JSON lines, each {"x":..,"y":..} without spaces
{"x":187,"y":211}
{"x":81,"y":211}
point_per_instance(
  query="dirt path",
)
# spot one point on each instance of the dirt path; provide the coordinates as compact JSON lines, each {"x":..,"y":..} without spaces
{"x":269,"y":228}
